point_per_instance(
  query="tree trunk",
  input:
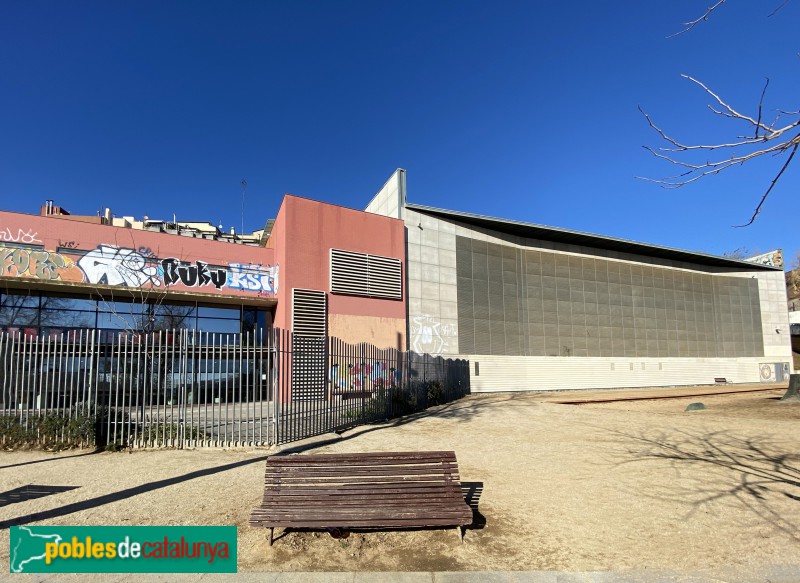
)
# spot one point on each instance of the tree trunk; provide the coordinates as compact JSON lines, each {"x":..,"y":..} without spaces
{"x":793,"y":394}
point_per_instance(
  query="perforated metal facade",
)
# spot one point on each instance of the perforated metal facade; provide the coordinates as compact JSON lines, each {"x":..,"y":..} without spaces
{"x":522,"y":302}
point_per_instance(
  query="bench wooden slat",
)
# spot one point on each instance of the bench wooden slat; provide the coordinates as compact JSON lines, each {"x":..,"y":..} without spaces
{"x":369,"y":463}
{"x":363,"y":457}
{"x":345,"y":502}
{"x":373,"y":490}
{"x":384,"y":480}
{"x":347,"y":473}
{"x":385,"y":485}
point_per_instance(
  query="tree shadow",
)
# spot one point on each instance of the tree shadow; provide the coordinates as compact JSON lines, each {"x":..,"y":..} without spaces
{"x":52,"y":459}
{"x":743,"y":470}
{"x":124,"y":494}
{"x":31,"y":492}
{"x":462,"y":410}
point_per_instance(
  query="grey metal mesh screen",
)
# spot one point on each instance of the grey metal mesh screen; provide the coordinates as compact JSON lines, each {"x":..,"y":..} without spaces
{"x":526,"y":302}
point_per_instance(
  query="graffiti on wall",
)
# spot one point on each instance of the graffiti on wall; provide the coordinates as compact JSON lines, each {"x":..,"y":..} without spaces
{"x":110,"y":265}
{"x":37,"y":263}
{"x":357,"y":376}
{"x":195,"y":274}
{"x":253,"y":277}
{"x":773,"y":258}
{"x":429,"y":335}
{"x":28,"y":237}
{"x":120,"y":266}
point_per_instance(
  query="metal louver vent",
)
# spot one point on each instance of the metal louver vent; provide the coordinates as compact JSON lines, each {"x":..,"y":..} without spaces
{"x":359,"y":274}
{"x":309,"y":312}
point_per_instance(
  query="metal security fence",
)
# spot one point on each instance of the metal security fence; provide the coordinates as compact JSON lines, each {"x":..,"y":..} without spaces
{"x":183,"y":388}
{"x":166,"y":388}
{"x":343,"y":385}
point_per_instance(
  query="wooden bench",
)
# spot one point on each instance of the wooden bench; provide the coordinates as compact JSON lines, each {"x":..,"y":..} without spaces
{"x":720,"y":380}
{"x":363,"y":490}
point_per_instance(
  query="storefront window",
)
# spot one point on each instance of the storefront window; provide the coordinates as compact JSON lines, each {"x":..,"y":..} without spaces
{"x":33,"y":314}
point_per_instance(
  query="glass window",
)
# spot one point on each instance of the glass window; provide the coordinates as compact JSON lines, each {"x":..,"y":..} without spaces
{"x":68,"y":319}
{"x":119,"y":307}
{"x":217,"y":325}
{"x":186,"y":310}
{"x":68,"y":303}
{"x":253,"y":320}
{"x":219,"y":312}
{"x":19,"y":300}
{"x":120,"y":321}
{"x":15,"y":316}
{"x":169,"y":317}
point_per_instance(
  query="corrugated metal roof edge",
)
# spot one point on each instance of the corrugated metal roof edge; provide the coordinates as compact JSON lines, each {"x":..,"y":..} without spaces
{"x":601,"y":241}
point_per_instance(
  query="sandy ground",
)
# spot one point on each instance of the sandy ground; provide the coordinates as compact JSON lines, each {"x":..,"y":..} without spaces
{"x":624,"y":485}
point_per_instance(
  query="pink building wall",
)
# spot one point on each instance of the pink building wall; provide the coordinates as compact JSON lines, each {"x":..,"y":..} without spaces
{"x":48,"y":252}
{"x":306,"y":231}
{"x":54,"y":252}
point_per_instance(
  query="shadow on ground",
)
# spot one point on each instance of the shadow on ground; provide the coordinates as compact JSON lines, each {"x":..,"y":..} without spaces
{"x":754,"y":472}
{"x":31,"y":492}
{"x":124,"y":494}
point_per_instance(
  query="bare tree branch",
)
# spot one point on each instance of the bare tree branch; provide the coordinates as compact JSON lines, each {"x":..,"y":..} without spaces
{"x":784,"y":3}
{"x":760,"y":104}
{"x":766,"y":194}
{"x":766,"y":139}
{"x":690,"y":25}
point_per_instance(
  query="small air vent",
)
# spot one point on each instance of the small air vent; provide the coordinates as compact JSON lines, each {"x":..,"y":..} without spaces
{"x":309,"y":312}
{"x":359,"y":274}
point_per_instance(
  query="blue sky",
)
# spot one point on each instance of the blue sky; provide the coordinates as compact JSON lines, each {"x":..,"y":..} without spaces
{"x":524,"y":110}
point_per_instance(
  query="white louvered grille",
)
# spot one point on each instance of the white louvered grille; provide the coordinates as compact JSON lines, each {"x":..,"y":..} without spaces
{"x":309,"y":313}
{"x":360,"y":274}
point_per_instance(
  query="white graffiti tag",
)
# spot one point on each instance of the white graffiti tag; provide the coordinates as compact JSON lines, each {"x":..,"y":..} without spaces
{"x":429,"y":335}
{"x":21,"y":236}
{"x":110,"y":265}
{"x":253,"y":277}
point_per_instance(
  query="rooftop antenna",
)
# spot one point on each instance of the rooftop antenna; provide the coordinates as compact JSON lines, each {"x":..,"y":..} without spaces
{"x":244,"y":187}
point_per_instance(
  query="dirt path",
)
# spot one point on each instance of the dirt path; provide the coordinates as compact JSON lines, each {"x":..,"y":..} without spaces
{"x":638,"y":484}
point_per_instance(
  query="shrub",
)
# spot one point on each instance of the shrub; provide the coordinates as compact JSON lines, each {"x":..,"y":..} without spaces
{"x":435,"y":393}
{"x":53,"y":431}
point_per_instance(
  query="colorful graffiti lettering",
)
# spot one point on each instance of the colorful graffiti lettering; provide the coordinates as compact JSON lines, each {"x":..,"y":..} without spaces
{"x":111,"y":265}
{"x":190,"y":275}
{"x":120,"y":266}
{"x":253,"y":277}
{"x":28,"y":237}
{"x":21,"y":262}
{"x":349,"y":376}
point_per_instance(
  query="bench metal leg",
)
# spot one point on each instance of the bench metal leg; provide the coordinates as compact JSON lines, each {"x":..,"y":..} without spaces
{"x":460,"y":534}
{"x":271,"y":535}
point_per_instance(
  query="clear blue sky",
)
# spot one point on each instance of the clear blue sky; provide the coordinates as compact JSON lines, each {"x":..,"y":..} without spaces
{"x":524,"y":110}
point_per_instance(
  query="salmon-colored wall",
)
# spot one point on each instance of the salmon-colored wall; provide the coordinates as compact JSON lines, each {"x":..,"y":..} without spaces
{"x":307,"y":230}
{"x":59,"y":252}
{"x":53,"y":250}
{"x":380,"y":332}
{"x":277,"y":243}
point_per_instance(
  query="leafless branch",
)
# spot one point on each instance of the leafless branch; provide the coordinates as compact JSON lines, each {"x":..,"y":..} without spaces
{"x":766,"y":139}
{"x":771,"y":186}
{"x":690,"y":25}
{"x":760,"y":104}
{"x":784,"y":3}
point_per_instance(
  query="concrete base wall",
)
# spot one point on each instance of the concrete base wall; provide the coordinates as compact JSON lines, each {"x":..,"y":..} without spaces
{"x":535,"y":373}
